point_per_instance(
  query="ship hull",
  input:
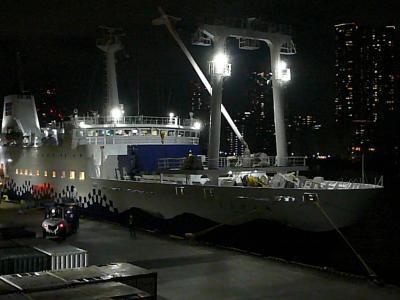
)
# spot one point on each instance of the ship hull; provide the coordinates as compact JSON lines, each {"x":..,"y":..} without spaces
{"x":227,"y":205}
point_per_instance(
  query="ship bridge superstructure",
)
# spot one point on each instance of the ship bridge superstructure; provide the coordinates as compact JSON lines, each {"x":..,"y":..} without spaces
{"x":136,"y":130}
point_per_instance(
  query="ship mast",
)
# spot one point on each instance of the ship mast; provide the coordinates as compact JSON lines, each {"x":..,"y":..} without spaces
{"x":110,"y":43}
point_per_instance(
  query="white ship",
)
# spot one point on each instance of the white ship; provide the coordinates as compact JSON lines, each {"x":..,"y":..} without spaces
{"x":99,"y":163}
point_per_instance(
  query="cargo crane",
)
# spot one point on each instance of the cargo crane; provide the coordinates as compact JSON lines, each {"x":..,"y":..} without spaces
{"x":249,"y":33}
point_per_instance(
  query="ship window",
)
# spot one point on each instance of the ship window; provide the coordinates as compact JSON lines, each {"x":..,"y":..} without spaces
{"x":62,"y":174}
{"x":37,"y":173}
{"x":90,"y":133}
{"x":187,"y":133}
{"x":30,"y":173}
{"x":16,"y":171}
{"x":181,"y":133}
{"x":144,"y":132}
{"x":45,"y":173}
{"x":81,"y":175}
{"x":8,"y":109}
{"x":154,"y":132}
{"x":134,"y":132}
{"x":26,"y":172}
{"x":171,"y":133}
{"x":72,"y":175}
{"x":53,"y":174}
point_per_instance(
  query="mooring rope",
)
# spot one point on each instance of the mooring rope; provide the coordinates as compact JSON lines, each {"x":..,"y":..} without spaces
{"x":371,"y":273}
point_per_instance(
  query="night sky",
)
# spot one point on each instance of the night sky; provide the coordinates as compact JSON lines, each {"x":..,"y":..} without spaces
{"x":57,"y":44}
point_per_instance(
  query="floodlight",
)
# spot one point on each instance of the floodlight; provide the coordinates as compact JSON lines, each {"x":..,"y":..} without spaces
{"x":197,"y":125}
{"x":116,"y":113}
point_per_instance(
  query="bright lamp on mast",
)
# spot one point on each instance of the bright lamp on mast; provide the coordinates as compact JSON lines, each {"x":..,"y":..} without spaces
{"x":197,"y":125}
{"x":116,"y":113}
{"x":220,"y":65}
{"x":282,"y":71}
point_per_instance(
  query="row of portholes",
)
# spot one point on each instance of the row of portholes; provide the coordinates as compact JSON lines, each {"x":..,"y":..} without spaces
{"x":72,"y":175}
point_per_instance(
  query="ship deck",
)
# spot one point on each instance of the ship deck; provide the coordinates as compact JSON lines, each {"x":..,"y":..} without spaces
{"x":187,"y":270}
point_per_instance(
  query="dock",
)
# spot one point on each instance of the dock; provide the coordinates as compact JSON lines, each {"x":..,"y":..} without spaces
{"x":189,"y":270}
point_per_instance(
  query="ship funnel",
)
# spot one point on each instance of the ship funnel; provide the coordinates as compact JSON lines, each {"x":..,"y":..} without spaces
{"x":20,"y":116}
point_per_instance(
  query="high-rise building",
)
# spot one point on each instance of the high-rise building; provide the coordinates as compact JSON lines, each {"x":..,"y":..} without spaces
{"x":200,"y":106}
{"x":47,"y":109}
{"x":256,"y":123}
{"x":365,"y":104}
{"x":304,"y":135}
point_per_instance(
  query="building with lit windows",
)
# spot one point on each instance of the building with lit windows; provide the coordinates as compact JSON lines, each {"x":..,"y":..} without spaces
{"x":47,"y":109}
{"x":200,"y":106}
{"x":365,"y":103}
{"x":256,"y":123}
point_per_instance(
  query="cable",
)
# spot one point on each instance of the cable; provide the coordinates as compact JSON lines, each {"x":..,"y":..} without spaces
{"x":371,"y":273}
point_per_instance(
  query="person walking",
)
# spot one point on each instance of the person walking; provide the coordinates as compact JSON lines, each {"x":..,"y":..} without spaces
{"x":132,"y":230}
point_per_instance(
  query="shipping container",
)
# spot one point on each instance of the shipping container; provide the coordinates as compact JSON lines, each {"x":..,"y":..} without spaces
{"x":65,"y":256}
{"x":62,"y":256}
{"x":22,"y":259}
{"x":143,"y":279}
{"x":113,"y":290}
{"x":36,"y":281}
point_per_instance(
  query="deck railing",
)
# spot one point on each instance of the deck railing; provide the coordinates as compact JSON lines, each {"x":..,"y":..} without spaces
{"x":234,"y":162}
{"x":135,"y":120}
{"x":149,"y":139}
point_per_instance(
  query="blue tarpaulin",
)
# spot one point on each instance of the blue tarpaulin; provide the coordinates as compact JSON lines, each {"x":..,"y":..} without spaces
{"x":146,"y":156}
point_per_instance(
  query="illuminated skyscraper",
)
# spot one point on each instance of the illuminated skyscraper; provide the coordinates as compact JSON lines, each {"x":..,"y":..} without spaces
{"x":256,"y":123}
{"x":48,"y":111}
{"x":365,"y":99}
{"x":200,"y":106}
